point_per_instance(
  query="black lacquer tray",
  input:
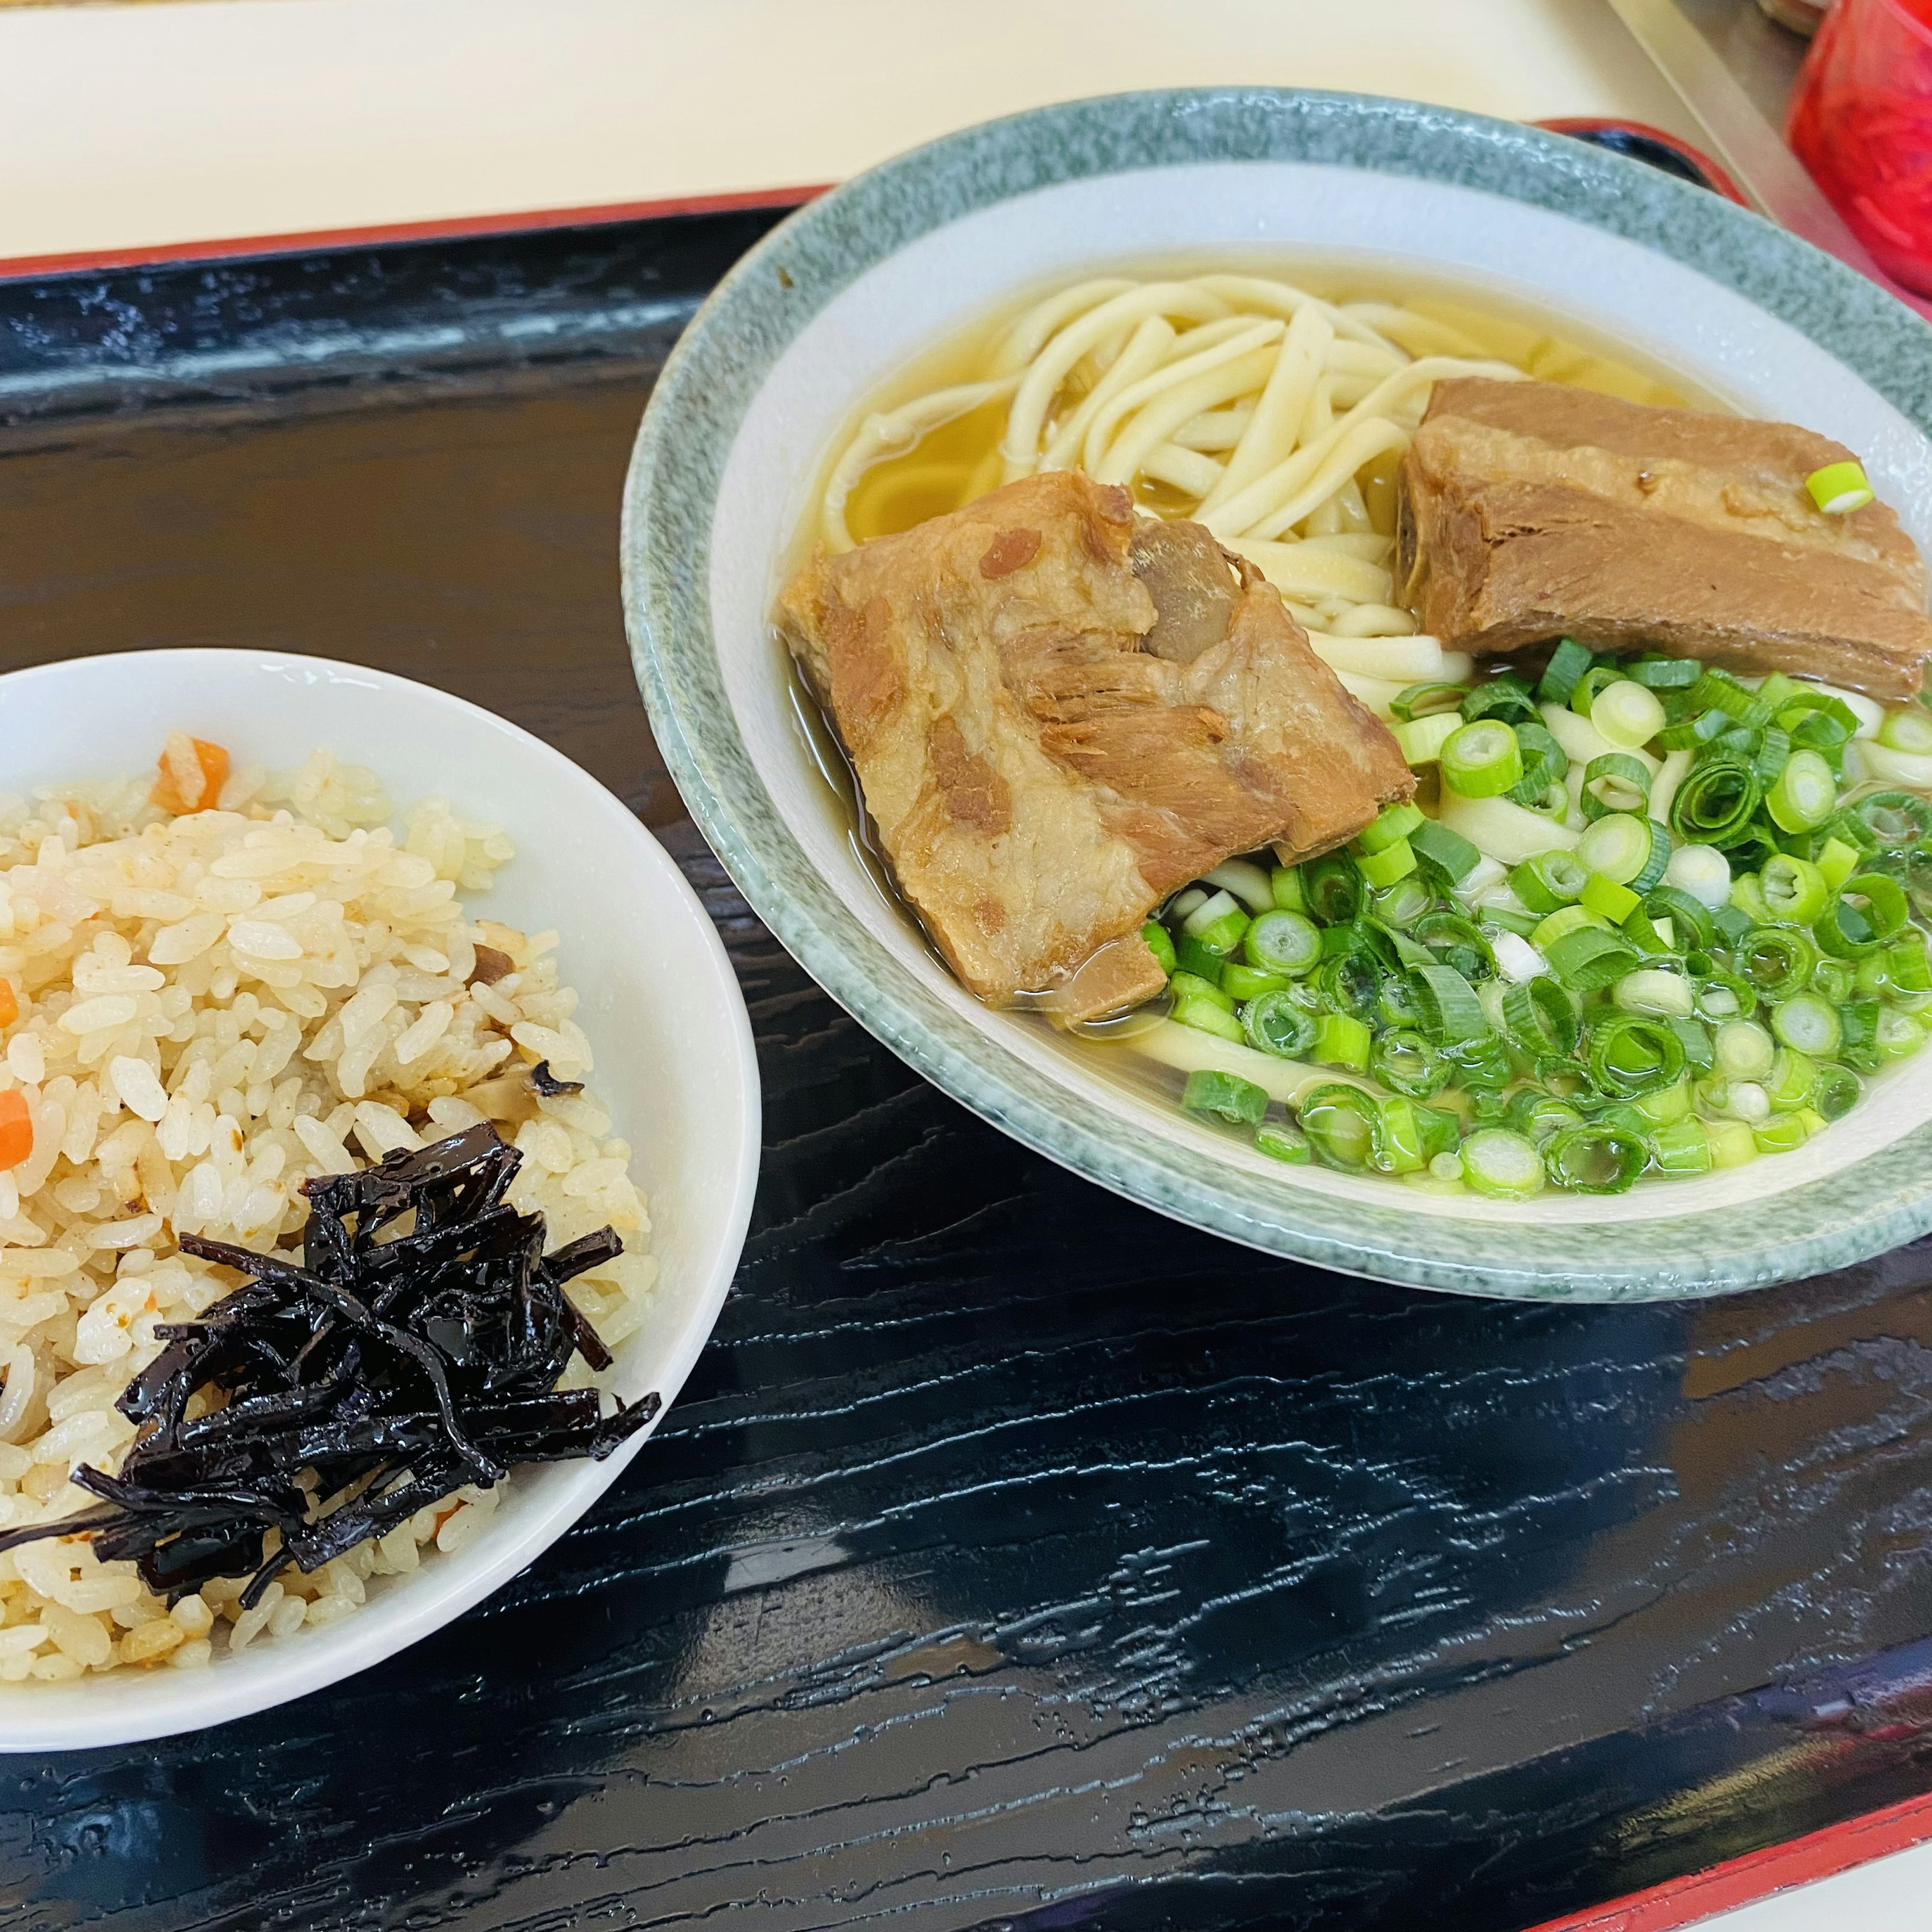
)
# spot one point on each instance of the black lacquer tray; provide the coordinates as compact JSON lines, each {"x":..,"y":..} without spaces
{"x":1013,"y":1556}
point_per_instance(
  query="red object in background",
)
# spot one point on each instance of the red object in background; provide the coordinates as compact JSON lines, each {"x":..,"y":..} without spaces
{"x":1861,"y":122}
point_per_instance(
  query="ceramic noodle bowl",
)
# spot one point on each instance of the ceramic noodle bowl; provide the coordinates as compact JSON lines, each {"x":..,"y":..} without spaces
{"x":860,"y":285}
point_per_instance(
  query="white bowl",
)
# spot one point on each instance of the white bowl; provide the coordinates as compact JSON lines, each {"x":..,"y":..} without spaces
{"x":660,"y":1004}
{"x":860,"y":282}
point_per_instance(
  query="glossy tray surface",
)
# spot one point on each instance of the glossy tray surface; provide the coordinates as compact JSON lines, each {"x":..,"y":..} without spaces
{"x":1013,"y":1556}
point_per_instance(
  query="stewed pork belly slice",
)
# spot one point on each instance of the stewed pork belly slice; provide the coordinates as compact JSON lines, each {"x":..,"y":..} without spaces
{"x":1059,"y":713}
{"x":1532,"y":510}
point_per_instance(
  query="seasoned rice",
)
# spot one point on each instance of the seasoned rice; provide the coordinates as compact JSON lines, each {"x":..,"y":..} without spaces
{"x":213,"y":1008}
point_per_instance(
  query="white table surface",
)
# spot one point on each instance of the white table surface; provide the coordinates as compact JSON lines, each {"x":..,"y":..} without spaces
{"x":126,"y":127}
{"x":204,"y":120}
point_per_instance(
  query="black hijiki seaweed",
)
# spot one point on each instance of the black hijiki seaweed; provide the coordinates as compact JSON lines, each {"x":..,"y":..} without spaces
{"x":396,"y":1370}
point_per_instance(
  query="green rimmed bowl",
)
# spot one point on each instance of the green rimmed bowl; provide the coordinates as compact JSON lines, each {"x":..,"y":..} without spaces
{"x":857,"y":284}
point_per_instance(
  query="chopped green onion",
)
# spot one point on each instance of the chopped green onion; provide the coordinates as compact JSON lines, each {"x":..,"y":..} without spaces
{"x":1900,"y":1035}
{"x":1458,"y":943}
{"x":1278,"y":1024}
{"x":1691,"y":734}
{"x":1716,"y":802}
{"x":1594,"y":681}
{"x":1286,"y":881}
{"x":1837,"y":861}
{"x":1191,"y":956}
{"x":1879,"y":907}
{"x":1748,"y":896}
{"x":1215,"y":907}
{"x":1242,"y":982}
{"x":1540,"y":1115}
{"x":1482,"y":760}
{"x":1687,"y":912}
{"x":1775,"y":961}
{"x":1656,"y":995}
{"x":1341,"y":1040}
{"x":1731,"y":1143}
{"x":1186,"y":985}
{"x":1806,"y":794}
{"x":1793,"y":1077}
{"x":1206,"y":1017}
{"x":1832,"y":979}
{"x":1596,"y":1160}
{"x":1807,"y":1024}
{"x":1794,"y":889}
{"x":1507,"y":697}
{"x":1682,"y":1148}
{"x":1421,"y":741}
{"x":1895,"y":817}
{"x":1590,"y":958}
{"x":1908,"y":964}
{"x":1735,"y":1099}
{"x":1393,"y":822}
{"x":1780,"y":1133}
{"x":1772,"y":754}
{"x":1907,"y":731}
{"x":1397,"y":1147}
{"x":1564,"y":919}
{"x":1632,"y":851}
{"x":1333,"y":889}
{"x":1665,"y":673}
{"x":1616,"y":781}
{"x":1548,"y":880}
{"x":1426,"y":701}
{"x":1501,"y":1165}
{"x":1383,"y":868}
{"x":1629,"y":1055}
{"x":1340,"y":1123}
{"x":1719,"y":688}
{"x":1224,"y":934}
{"x":1702,"y":871}
{"x":1350,"y":982}
{"x":1154,"y":936}
{"x":1744,"y":1051}
{"x":1626,"y":713}
{"x":1607,"y":899}
{"x":1403,"y":1059}
{"x":1859,"y":1047}
{"x":1283,"y":1143}
{"x":1283,"y":942}
{"x":1449,"y":852}
{"x":1840,"y":488}
{"x":1837,"y":1092}
{"x":1663,"y":1106}
{"x":1540,"y":1016}
{"x":1225,"y":1095}
{"x":1567,"y":664}
{"x":1698,"y":1053}
{"x":1447,"y":1005}
{"x":1405,"y":902}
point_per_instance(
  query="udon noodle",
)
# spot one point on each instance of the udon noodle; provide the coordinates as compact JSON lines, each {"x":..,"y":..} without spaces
{"x":1274,"y":417}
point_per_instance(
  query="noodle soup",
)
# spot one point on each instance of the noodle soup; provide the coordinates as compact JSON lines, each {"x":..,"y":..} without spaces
{"x":1587,"y":949}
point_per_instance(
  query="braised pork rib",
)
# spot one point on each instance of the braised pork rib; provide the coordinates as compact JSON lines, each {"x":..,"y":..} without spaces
{"x":1059,"y":712}
{"x":1532,"y":510}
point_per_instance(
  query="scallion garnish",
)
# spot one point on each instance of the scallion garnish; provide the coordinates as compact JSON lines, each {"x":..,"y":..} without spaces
{"x":1840,"y":488}
{"x":1483,"y":760}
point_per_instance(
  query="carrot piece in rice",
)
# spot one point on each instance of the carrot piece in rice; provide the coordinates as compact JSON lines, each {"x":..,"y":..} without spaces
{"x":193,"y":771}
{"x":16,"y":1129}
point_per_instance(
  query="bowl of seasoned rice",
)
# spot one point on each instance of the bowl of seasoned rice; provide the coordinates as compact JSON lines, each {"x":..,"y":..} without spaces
{"x":379,"y":1121}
